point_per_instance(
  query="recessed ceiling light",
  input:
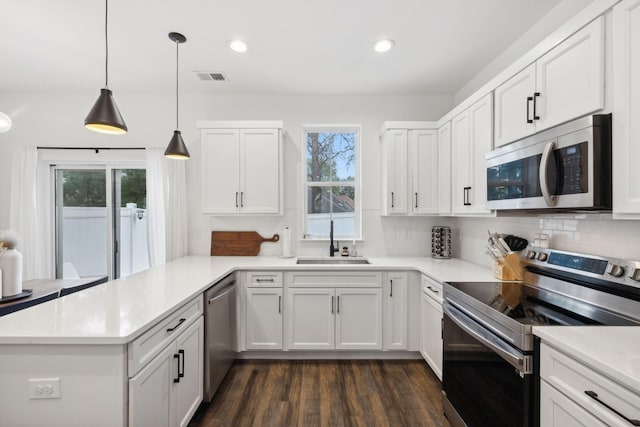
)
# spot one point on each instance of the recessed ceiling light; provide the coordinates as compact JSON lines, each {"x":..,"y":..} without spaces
{"x":383,"y":45}
{"x":238,"y":46}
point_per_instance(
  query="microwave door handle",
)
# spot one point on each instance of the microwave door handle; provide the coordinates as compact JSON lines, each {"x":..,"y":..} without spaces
{"x":549,"y":198}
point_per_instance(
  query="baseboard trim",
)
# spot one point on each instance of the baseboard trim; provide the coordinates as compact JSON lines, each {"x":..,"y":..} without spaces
{"x":330,"y":355}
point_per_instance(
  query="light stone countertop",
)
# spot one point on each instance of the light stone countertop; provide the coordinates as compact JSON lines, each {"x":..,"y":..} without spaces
{"x":120,"y":310}
{"x":613,"y":351}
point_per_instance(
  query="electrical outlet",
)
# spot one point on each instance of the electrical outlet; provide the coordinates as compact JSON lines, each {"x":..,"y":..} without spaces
{"x":44,"y":388}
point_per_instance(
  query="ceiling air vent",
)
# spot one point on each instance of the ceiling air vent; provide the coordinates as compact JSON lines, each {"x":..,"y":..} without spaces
{"x":208,"y":76}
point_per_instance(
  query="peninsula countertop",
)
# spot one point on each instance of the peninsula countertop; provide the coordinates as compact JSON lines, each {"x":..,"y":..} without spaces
{"x":120,"y":310}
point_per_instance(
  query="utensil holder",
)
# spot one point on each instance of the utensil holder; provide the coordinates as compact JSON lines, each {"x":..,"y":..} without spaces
{"x":509,"y":269}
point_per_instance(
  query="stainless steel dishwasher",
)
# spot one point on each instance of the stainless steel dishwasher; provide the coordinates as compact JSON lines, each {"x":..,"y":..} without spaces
{"x":220,"y":333}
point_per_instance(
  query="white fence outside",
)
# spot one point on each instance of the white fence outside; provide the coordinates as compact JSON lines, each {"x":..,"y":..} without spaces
{"x":85,"y":237}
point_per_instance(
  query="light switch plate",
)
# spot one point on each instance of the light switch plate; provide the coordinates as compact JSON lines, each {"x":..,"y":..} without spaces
{"x":44,"y":388}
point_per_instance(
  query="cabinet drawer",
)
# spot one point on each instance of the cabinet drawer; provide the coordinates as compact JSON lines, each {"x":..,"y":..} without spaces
{"x":342,"y":279}
{"x":431,"y":288}
{"x":149,"y":344}
{"x":262,"y":279}
{"x":574,"y":379}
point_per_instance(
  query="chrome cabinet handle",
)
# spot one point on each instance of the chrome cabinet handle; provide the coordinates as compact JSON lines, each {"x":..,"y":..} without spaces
{"x":180,"y":322}
{"x":592,"y":394}
{"x":549,"y":198}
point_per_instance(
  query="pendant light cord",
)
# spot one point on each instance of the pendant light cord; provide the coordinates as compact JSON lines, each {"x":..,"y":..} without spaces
{"x":106,"y":45}
{"x":177,"y":99}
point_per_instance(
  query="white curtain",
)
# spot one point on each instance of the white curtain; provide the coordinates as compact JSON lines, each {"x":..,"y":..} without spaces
{"x":166,"y":207}
{"x":29,"y":213}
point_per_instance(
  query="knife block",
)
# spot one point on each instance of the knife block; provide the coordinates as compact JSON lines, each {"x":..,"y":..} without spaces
{"x":509,"y":269}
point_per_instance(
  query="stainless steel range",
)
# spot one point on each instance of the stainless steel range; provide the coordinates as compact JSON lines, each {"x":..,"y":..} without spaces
{"x":490,"y":354}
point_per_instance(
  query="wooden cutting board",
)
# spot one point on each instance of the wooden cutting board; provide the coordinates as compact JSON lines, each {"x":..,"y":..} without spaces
{"x":238,"y":243}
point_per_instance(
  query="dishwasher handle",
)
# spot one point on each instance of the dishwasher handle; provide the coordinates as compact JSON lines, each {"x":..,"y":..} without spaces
{"x":222,"y":293}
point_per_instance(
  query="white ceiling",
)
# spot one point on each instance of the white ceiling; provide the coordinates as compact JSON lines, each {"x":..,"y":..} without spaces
{"x":296,"y":46}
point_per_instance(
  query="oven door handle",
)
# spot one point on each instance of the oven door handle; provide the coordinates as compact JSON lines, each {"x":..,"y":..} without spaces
{"x":518,"y":361}
{"x":549,"y":198}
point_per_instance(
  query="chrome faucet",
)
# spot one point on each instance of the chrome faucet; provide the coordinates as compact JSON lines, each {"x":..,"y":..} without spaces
{"x":332,"y":249}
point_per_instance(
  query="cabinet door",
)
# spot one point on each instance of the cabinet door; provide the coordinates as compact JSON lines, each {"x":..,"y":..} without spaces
{"x":188,"y":390}
{"x":626,"y":107}
{"x":423,"y":158}
{"x":557,"y":410}
{"x":359,"y":318}
{"x":264,"y":318}
{"x":570,"y":77}
{"x":260,"y":171}
{"x":481,"y":142}
{"x":396,"y":314}
{"x":395,"y":172}
{"x":444,"y":169}
{"x":431,"y":333}
{"x":310,"y":318}
{"x":460,"y":176}
{"x":150,"y":402}
{"x":220,"y":171}
{"x":514,"y":107}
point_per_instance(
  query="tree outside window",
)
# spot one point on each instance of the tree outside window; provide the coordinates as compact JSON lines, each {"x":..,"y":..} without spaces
{"x":331,"y":182}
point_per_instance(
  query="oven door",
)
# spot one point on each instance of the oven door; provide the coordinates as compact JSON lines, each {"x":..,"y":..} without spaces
{"x":486,"y":382}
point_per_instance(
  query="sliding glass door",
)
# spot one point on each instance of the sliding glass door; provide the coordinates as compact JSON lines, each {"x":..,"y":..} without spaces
{"x":101,"y":221}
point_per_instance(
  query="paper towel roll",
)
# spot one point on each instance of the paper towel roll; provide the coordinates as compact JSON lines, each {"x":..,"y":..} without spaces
{"x":11,"y":266}
{"x":286,"y":243}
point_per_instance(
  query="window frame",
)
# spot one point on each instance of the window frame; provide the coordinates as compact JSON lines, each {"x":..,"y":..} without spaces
{"x":336,"y":128}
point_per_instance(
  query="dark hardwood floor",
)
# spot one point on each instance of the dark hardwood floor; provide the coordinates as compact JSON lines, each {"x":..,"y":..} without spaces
{"x":310,"y":393}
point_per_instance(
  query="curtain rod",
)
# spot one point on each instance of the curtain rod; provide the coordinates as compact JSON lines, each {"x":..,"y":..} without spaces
{"x":96,"y":149}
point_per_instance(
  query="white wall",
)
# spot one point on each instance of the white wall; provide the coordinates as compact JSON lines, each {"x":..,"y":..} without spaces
{"x":55,"y":119}
{"x":538,"y":32}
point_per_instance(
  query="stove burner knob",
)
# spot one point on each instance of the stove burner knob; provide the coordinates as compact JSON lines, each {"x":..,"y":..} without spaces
{"x":542,"y":256}
{"x":531,"y":254}
{"x":615,"y":270}
{"x":635,"y":275}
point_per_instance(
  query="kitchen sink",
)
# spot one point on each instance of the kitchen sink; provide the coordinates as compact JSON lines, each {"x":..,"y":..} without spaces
{"x":331,"y":261}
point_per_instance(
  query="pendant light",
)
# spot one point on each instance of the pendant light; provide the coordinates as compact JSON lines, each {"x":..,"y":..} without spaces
{"x":105,"y":117}
{"x":177,"y":148}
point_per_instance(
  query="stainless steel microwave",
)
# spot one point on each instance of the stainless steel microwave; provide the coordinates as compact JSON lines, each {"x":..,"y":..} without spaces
{"x":567,"y":167}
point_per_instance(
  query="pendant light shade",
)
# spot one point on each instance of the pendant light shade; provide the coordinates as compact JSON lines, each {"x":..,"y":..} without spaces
{"x":177,"y":148}
{"x":105,"y":117}
{"x":5,"y":123}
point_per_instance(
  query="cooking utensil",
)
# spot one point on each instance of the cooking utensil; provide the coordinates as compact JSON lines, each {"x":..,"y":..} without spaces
{"x":516,"y":243}
{"x":238,"y":243}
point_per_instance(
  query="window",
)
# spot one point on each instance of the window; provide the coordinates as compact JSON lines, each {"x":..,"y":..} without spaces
{"x":331,"y":188}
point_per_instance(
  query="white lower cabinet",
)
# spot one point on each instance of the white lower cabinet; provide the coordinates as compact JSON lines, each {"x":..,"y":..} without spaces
{"x":168,"y":390}
{"x":431,"y":324}
{"x":264,"y":319}
{"x":574,"y":394}
{"x":396,"y":311}
{"x":334,"y":318}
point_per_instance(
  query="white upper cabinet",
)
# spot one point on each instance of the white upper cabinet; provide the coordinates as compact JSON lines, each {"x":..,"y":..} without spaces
{"x":565,"y":83}
{"x":395,"y":181}
{"x":626,"y":109}
{"x":444,"y":169}
{"x":410,"y":168}
{"x":423,"y":170}
{"x":241,"y":168}
{"x":471,"y":139}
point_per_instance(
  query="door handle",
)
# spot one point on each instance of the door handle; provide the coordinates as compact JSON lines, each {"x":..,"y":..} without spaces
{"x":529,"y":99}
{"x":279,"y":304}
{"x":549,"y":198}
{"x":535,"y":97}
{"x":391,"y":288}
{"x":465,"y":197}
{"x":242,"y":199}
{"x":237,"y":199}
{"x":181,"y":359}
{"x":416,"y":200}
{"x":392,"y":199}
{"x":332,"y":305}
{"x":265,"y":280}
{"x":338,"y":305}
{"x":177,"y":379}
